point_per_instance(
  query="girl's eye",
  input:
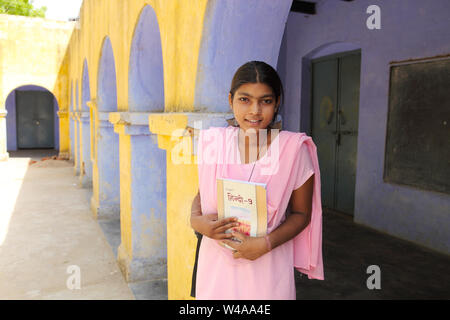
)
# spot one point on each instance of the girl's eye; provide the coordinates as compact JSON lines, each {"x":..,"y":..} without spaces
{"x":243,"y":99}
{"x":268,"y":101}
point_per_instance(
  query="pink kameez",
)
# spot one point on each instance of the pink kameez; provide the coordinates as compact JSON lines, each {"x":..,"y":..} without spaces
{"x":288,"y":163}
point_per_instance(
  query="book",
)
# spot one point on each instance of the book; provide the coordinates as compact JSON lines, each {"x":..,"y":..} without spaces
{"x":246,"y":201}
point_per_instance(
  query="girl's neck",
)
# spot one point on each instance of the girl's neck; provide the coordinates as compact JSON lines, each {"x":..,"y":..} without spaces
{"x":251,"y":144}
{"x":253,"y":138}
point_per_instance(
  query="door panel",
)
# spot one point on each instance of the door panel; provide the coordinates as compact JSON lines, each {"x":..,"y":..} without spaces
{"x":335,"y":105}
{"x":349,"y":71}
{"x":324,"y":124}
{"x":35,"y":119}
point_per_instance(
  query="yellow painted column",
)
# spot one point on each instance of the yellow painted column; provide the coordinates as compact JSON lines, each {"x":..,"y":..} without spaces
{"x":76,"y":153}
{"x":3,"y":154}
{"x":64,"y":141}
{"x":180,"y":166}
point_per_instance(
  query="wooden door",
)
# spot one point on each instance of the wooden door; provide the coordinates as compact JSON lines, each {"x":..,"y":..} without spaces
{"x":35,"y":120}
{"x":335,"y":106}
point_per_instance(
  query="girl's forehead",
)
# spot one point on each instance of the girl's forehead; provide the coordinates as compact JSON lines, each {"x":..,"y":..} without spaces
{"x":255,"y":89}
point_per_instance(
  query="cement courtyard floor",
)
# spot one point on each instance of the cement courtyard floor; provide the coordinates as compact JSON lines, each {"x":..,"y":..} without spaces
{"x":46,"y":226}
{"x":407,"y":271}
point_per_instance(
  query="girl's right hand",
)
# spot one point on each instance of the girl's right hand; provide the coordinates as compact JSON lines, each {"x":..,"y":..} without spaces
{"x":210,"y":226}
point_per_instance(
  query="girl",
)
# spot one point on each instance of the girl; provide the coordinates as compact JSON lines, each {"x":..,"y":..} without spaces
{"x":258,"y":267}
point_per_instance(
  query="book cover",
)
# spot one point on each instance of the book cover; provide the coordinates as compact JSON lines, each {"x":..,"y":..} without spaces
{"x":246,"y":201}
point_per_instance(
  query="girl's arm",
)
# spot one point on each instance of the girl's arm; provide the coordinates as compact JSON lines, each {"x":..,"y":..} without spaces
{"x":301,"y":207}
{"x":208,"y":224}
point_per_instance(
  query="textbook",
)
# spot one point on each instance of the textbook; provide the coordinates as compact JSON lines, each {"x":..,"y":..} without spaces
{"x":246,"y":201}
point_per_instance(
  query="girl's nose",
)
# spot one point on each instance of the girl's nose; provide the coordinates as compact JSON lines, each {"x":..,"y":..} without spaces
{"x":255,"y":107}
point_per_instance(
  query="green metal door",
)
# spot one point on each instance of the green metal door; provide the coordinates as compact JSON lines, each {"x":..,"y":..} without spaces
{"x":335,"y":105}
{"x":35,"y":120}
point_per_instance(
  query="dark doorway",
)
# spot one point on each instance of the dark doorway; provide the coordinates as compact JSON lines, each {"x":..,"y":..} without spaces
{"x":35,"y":120}
{"x":335,"y":106}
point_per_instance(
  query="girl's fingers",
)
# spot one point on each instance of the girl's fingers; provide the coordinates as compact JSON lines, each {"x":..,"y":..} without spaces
{"x":222,"y":236}
{"x":226,"y":227}
{"x":222,"y":222}
{"x":231,"y":243}
{"x":239,"y":236}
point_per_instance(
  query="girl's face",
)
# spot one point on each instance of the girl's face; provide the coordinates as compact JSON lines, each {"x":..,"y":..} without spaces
{"x":253,"y":105}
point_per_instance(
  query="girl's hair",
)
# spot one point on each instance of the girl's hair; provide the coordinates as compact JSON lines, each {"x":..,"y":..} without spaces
{"x":258,"y":72}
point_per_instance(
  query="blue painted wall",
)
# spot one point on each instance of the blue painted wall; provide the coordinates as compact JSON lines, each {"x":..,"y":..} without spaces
{"x":235,"y":32}
{"x":108,"y":141}
{"x":85,"y":88}
{"x":409,"y":30}
{"x":146,"y":78}
{"x":107,"y":90}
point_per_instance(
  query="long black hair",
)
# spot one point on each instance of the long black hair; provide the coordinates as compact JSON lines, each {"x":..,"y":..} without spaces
{"x":259,"y":72}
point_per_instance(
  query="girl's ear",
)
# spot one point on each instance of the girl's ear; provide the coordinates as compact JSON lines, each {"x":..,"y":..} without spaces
{"x":230,"y":101}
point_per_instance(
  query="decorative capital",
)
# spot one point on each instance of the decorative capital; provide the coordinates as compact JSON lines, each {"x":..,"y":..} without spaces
{"x":92,"y":104}
{"x":130,"y":123}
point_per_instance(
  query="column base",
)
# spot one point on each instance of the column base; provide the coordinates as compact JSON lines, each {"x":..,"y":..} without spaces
{"x":64,"y":156}
{"x":104,"y":211}
{"x":85,"y":181}
{"x":141,"y":269}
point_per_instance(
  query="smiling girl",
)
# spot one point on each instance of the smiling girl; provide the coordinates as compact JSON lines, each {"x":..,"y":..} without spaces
{"x":258,"y":267}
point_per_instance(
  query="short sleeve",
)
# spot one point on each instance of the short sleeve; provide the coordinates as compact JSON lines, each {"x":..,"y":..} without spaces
{"x":305,"y":166}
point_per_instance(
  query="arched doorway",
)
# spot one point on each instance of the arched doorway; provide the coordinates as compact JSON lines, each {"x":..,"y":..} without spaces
{"x":322,"y":99}
{"x":106,"y":187}
{"x":234,"y":33}
{"x":32,"y":121}
{"x":143,"y":249}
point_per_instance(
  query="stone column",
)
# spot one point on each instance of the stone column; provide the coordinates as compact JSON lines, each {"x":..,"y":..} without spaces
{"x":76,"y":142}
{"x":85,"y":150}
{"x":3,"y":143}
{"x":181,"y":166}
{"x":72,"y":137}
{"x":142,"y":254}
{"x":105,"y":201}
{"x":64,"y":143}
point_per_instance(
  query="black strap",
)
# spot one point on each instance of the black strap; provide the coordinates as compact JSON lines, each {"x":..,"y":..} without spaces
{"x":194,"y":272}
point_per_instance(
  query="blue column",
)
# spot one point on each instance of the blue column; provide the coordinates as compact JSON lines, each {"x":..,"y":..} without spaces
{"x":106,"y":202}
{"x":85,"y":154}
{"x":148,"y":257}
{"x":76,"y":123}
{"x":72,"y":136}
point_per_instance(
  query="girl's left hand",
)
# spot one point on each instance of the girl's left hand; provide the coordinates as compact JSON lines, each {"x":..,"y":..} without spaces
{"x":250,"y":248}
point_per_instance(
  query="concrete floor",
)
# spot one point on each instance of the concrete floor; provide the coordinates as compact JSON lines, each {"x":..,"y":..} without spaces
{"x":46,"y":227}
{"x":47,"y":186}
{"x":407,"y":271}
{"x":49,"y":230}
{"x":142,"y":290}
